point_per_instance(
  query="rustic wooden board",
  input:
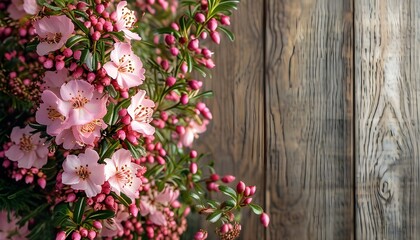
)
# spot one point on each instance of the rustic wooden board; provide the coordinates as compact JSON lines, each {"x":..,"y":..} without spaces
{"x":309,"y":106}
{"x":387,"y":119}
{"x":236,"y":135}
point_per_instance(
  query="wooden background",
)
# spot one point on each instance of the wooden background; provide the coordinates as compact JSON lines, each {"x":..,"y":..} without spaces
{"x":316,"y":103}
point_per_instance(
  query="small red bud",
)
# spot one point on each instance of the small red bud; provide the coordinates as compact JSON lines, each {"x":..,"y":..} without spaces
{"x":193,"y":168}
{"x":215,"y":36}
{"x":200,"y":18}
{"x":212,"y":24}
{"x":214,"y":177}
{"x":184,"y":98}
{"x":193,"y":154}
{"x":170,"y":81}
{"x":225,"y":20}
{"x":265,"y":219}
{"x":228,"y":179}
{"x":240,"y":187}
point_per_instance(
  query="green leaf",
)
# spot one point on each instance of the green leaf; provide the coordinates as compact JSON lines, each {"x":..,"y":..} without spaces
{"x":230,"y":203}
{"x":51,"y":7}
{"x":107,"y":150}
{"x":195,"y":196}
{"x":137,"y":151}
{"x":101,"y":214}
{"x":118,"y":35}
{"x":256,"y":209}
{"x":228,"y":191}
{"x":79,"y":209}
{"x":228,"y":33}
{"x":168,"y":30}
{"x":215,"y":216}
{"x":189,"y":62}
{"x":123,"y":199}
{"x":75,"y":40}
{"x":110,"y":114}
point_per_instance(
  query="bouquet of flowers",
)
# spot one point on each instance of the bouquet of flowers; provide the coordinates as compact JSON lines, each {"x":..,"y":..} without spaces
{"x":99,"y":108}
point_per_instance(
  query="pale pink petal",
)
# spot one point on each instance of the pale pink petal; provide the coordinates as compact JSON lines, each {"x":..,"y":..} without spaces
{"x":70,"y":178}
{"x":120,"y":49}
{"x":14,"y":153}
{"x":136,"y":100}
{"x":142,"y":127}
{"x":98,"y":174}
{"x":115,"y":186}
{"x":43,"y":48}
{"x":111,"y":69}
{"x":17,"y":133}
{"x":28,"y":160}
{"x":71,"y":163}
{"x":131,"y":35}
{"x":14,"y":12}
{"x":92,"y":189}
{"x":129,"y":80}
{"x":75,"y":88}
{"x":158,"y":218}
{"x":148,"y":103}
{"x":31,"y":7}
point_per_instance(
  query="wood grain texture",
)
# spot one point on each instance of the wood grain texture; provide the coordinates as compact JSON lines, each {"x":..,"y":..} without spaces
{"x":387,"y":116}
{"x":309,"y":106}
{"x":236,"y":135}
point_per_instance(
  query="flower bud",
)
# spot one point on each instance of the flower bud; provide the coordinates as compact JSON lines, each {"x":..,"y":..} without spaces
{"x":100,"y":8}
{"x":247,"y":191}
{"x":42,"y":182}
{"x":212,"y":24}
{"x":193,"y":154}
{"x":60,"y":235}
{"x":169,"y":39}
{"x":180,"y":130}
{"x":265,"y":219}
{"x":184,"y":99}
{"x":200,"y":235}
{"x":203,"y":35}
{"x":71,"y":197}
{"x":77,"y":54}
{"x":83,"y":232}
{"x":174,"y":51}
{"x":253,"y":190}
{"x":170,"y":81}
{"x":224,"y":228}
{"x":92,"y":234}
{"x":194,"y":84}
{"x":193,"y":168}
{"x":228,"y":179}
{"x":134,"y":210}
{"x":121,"y":134}
{"x":67,"y":52}
{"x":29,"y":179}
{"x":215,"y":36}
{"x":184,"y":67}
{"x":76,"y":236}
{"x":164,"y":64}
{"x":97,"y":225}
{"x":225,"y":20}
{"x":214,"y":177}
{"x":240,"y":187}
{"x":200,"y":18}
{"x":175,"y":26}
{"x":247,"y":201}
{"x":193,"y":45}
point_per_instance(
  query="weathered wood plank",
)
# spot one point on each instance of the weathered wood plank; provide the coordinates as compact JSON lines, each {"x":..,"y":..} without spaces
{"x":236,"y":135}
{"x":309,"y":106}
{"x":387,"y":119}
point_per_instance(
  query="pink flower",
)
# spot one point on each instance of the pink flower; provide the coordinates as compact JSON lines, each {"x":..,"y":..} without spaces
{"x":113,"y":226}
{"x":84,"y":173}
{"x":15,"y":9}
{"x":86,"y":134}
{"x":9,"y":228}
{"x":153,"y":204}
{"x":29,"y":150}
{"x":48,"y":113}
{"x":53,"y":32}
{"x":126,"y":19}
{"x":191,"y":131}
{"x":82,"y":103}
{"x":125,"y":66}
{"x":55,"y":79}
{"x":141,"y":111}
{"x":68,"y":140}
{"x":120,"y":172}
{"x":31,"y":7}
